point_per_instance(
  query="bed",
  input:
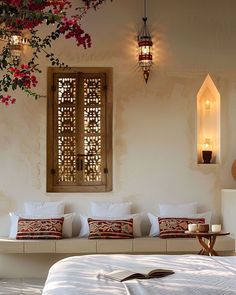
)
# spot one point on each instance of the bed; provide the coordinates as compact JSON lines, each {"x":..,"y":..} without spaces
{"x":194,"y":274}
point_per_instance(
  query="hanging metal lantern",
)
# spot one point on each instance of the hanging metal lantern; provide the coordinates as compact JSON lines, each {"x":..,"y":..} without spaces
{"x":16,"y":47}
{"x":145,"y":47}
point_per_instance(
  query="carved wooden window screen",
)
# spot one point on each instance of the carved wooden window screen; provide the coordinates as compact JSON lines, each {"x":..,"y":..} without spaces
{"x":79,"y":116}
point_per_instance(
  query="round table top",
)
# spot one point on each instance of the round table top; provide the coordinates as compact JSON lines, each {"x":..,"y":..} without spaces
{"x":206,"y":234}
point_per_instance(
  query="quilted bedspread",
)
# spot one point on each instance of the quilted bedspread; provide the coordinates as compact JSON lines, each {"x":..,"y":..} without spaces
{"x":194,"y":274}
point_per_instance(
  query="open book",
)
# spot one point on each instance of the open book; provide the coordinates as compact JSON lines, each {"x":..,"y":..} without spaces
{"x":125,"y":274}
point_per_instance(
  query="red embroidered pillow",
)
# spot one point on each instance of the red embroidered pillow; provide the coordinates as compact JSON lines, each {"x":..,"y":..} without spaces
{"x":110,"y":229}
{"x":40,"y":228}
{"x":175,"y":227}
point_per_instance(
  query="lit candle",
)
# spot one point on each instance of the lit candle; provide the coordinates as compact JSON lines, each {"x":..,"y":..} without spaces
{"x":206,"y":145}
{"x":215,"y":228}
{"x":207,"y":104}
{"x":192,"y":227}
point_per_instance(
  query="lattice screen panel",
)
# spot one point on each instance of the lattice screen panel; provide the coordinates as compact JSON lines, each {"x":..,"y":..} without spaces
{"x":92,"y":160}
{"x":66,"y":120}
{"x":92,"y":91}
{"x":66,"y":159}
{"x":79,"y":139}
{"x":92,"y":168}
{"x":92,"y":129}
{"x":92,"y":120}
{"x":66,"y":90}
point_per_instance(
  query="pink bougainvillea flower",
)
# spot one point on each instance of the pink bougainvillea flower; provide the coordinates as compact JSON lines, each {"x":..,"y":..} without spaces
{"x":7,"y":100}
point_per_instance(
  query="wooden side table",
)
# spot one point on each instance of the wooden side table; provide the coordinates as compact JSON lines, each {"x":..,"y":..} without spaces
{"x":207,"y":241}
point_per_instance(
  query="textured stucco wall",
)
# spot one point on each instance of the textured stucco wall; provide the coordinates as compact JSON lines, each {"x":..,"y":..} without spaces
{"x":154,"y":125}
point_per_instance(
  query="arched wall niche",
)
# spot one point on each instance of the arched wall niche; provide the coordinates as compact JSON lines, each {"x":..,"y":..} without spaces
{"x":208,"y":123}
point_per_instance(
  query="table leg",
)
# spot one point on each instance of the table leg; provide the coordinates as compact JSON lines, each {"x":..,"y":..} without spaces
{"x":207,"y":247}
{"x":211,"y":243}
{"x":201,"y":252}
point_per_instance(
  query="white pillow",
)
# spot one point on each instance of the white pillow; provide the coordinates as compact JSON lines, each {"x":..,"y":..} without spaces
{"x":110,"y":209}
{"x":137,"y":219}
{"x":177,"y":210}
{"x":66,"y":228}
{"x":155,"y":230}
{"x":44,"y":208}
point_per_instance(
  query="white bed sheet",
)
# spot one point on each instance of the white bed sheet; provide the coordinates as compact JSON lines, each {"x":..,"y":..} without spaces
{"x":194,"y":274}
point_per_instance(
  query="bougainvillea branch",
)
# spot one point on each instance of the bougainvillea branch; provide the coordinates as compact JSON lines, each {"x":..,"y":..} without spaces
{"x":17,"y":16}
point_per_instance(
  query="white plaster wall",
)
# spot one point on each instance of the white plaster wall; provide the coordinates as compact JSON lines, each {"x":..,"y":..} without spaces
{"x":228,"y":204}
{"x":154,"y":135}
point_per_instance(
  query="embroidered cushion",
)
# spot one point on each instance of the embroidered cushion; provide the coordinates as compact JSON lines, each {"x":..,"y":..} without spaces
{"x":67,"y":230}
{"x":137,"y":219}
{"x":155,"y":230}
{"x":175,"y":227}
{"x":40,"y":228}
{"x":110,"y":229}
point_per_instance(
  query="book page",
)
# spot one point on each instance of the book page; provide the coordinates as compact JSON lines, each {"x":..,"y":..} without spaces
{"x":160,"y":272}
{"x":147,"y":271}
{"x":125,"y":274}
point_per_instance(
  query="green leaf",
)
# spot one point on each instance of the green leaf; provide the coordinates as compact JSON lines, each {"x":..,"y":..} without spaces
{"x":4,"y":63}
{"x":14,"y":85}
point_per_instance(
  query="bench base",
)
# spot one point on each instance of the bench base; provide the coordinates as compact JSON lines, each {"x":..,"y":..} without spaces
{"x":86,"y":246}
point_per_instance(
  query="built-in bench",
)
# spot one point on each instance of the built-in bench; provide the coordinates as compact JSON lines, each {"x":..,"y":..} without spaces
{"x":79,"y":246}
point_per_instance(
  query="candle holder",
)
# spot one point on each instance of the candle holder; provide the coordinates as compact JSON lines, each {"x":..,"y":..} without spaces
{"x":203,"y":227}
{"x":206,"y":156}
{"x":216,"y":228}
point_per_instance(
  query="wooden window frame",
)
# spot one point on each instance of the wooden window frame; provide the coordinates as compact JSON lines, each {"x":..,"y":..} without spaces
{"x":50,"y":185}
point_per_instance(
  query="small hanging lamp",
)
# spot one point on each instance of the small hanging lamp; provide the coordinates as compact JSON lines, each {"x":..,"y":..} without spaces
{"x":145,"y":47}
{"x":16,"y":47}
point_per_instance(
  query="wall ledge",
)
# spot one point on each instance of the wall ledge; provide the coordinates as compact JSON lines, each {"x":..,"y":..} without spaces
{"x":86,"y":246}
